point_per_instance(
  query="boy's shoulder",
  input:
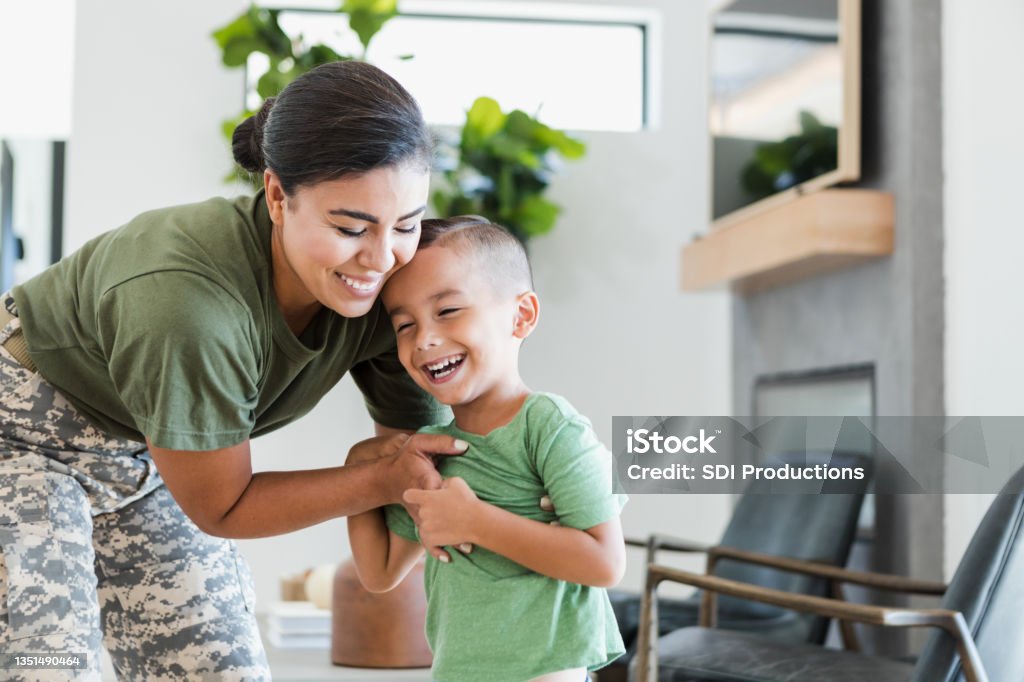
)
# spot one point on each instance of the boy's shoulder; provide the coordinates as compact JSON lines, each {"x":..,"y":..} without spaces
{"x":547,"y":413}
{"x":542,"y":404}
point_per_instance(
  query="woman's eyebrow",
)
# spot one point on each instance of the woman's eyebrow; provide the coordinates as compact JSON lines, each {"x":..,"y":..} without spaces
{"x":359,"y":215}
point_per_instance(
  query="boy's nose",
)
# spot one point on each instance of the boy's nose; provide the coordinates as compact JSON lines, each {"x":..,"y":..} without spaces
{"x":426,"y":338}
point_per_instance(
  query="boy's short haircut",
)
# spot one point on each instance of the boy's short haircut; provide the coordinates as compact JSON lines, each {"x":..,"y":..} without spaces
{"x":501,"y":256}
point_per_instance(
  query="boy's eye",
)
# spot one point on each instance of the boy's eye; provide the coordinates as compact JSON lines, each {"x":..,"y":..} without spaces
{"x":402,"y":325}
{"x":448,"y":311}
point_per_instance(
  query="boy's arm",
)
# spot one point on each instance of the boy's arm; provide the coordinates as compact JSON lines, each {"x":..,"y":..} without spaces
{"x":595,"y":556}
{"x":382,"y":557}
{"x":454,"y":514}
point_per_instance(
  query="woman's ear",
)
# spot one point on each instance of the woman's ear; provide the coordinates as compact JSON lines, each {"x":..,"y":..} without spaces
{"x":527,"y":313}
{"x":275,"y":196}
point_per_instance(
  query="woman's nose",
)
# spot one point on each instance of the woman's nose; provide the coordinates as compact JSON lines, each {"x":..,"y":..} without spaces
{"x":377,"y":255}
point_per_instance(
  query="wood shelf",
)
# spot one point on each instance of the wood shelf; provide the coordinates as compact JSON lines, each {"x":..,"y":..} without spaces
{"x":815,"y":233}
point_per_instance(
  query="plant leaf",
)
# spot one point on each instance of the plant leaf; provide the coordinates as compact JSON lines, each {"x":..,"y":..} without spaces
{"x":366,"y":17}
{"x":273,"y":81}
{"x":256,"y":30}
{"x":536,"y":215}
{"x":484,"y":119}
{"x":321,"y":54}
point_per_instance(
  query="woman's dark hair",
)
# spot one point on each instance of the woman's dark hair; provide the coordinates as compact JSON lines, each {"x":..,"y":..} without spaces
{"x":338,"y":119}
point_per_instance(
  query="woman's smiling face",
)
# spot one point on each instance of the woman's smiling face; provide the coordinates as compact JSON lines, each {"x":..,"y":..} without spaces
{"x":336,"y":242}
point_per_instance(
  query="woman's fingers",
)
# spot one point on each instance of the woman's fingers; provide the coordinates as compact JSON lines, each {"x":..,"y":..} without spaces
{"x":428,"y":444}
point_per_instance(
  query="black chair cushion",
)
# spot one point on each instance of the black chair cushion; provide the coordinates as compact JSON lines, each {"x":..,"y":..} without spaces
{"x":701,"y":655}
{"x":776,"y":623}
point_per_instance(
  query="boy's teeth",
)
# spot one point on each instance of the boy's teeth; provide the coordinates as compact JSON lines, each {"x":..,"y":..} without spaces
{"x":443,"y":363}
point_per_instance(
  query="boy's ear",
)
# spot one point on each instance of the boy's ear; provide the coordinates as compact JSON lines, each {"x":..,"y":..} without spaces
{"x":527,"y":312}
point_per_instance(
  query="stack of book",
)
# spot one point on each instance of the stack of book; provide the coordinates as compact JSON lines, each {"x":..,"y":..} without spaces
{"x":298,"y":625}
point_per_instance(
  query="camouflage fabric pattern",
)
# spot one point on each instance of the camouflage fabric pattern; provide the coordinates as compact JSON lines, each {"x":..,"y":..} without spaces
{"x":95,"y":551}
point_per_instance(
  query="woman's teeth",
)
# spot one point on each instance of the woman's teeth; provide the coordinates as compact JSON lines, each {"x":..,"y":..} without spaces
{"x":359,"y":286}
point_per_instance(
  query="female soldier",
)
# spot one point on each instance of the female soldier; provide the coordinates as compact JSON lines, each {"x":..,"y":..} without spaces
{"x":134,"y":372}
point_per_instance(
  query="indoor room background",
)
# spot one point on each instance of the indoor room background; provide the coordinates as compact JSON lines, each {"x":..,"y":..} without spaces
{"x":617,"y":335}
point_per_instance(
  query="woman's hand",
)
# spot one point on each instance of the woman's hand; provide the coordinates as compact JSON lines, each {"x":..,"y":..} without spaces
{"x":407,"y":461}
{"x":410,"y":463}
{"x":376,"y":448}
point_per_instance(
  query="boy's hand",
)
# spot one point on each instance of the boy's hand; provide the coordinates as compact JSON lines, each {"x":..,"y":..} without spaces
{"x":445,"y":516}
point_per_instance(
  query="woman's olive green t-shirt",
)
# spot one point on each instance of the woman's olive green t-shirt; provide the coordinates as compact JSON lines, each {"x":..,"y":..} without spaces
{"x":168,"y":328}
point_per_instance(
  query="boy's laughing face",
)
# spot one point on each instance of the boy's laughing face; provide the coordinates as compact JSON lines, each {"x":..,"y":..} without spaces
{"x":457,"y":336}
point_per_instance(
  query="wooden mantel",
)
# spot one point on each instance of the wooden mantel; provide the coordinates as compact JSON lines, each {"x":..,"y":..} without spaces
{"x":815,"y":233}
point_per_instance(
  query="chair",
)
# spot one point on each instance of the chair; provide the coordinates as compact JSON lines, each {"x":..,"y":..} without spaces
{"x":980,"y":622}
{"x":817,"y":528}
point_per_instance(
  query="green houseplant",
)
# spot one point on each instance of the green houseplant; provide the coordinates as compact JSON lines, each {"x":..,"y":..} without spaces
{"x":502,"y":168}
{"x":500,"y":165}
{"x":257,"y":30}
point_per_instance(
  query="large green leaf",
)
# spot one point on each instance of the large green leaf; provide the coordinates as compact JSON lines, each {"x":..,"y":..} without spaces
{"x":569,"y":147}
{"x":366,"y":17}
{"x":256,"y":30}
{"x":483,"y":120}
{"x":511,"y":149}
{"x":520,"y":124}
{"x":274,"y":81}
{"x":320,"y":54}
{"x":536,"y":215}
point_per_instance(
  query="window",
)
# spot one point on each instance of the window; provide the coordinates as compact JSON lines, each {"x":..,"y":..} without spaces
{"x":578,"y":67}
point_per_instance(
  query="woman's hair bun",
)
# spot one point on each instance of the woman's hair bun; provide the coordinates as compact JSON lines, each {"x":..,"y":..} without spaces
{"x":247,"y":140}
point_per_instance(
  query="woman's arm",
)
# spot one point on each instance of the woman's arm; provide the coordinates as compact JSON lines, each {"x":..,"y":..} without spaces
{"x":219,"y":492}
{"x":382,"y":557}
{"x":595,"y":557}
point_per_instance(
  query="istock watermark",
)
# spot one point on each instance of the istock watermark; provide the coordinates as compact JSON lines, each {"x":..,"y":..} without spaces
{"x":810,"y":455}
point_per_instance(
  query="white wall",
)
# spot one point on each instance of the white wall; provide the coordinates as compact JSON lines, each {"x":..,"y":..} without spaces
{"x":36,"y":41}
{"x":616,"y":336}
{"x":984,"y":166}
{"x":149,"y":95}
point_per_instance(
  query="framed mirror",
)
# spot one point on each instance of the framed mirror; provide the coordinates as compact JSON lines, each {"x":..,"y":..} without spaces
{"x":784,"y":113}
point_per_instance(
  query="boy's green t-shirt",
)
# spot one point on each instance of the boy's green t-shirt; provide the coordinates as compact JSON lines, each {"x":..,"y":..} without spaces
{"x":168,"y":327}
{"x":489,"y":618}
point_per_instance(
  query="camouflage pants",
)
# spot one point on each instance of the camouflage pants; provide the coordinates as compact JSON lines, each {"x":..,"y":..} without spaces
{"x":95,"y":552}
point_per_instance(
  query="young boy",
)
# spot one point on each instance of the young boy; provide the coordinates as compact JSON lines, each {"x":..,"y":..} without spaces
{"x":528,"y":602}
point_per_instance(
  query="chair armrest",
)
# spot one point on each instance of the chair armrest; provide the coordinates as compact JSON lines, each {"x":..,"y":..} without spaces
{"x":657,"y":541}
{"x":668,"y":542}
{"x":881,"y":581}
{"x":950,"y":621}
